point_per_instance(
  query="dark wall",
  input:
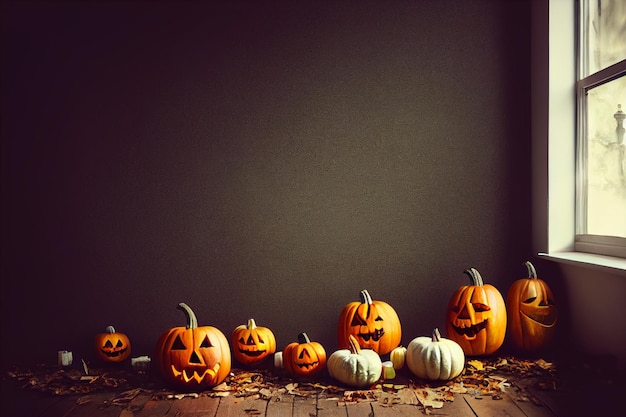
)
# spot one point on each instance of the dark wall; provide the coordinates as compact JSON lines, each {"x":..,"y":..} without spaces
{"x":256,"y":159}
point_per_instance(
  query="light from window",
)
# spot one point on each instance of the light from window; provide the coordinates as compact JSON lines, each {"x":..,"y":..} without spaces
{"x":602,"y":110}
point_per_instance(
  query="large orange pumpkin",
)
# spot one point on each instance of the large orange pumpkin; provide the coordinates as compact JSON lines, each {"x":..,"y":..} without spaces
{"x":252,"y":344}
{"x":304,"y":358}
{"x":192,"y":357}
{"x":476,"y":317}
{"x":374,"y":324}
{"x":532,"y":312}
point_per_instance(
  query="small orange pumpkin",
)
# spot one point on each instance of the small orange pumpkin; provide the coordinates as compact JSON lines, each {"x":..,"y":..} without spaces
{"x":252,"y":344}
{"x":476,"y":317}
{"x":304,"y":358}
{"x":192,"y":357}
{"x":532,"y":312}
{"x":374,"y":324}
{"x":111,"y":346}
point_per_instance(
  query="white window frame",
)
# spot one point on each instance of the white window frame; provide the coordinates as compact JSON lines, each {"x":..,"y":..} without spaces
{"x":553,"y":89}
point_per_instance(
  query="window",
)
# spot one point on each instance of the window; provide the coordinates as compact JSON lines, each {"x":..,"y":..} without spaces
{"x":562,"y":156}
{"x":601,"y":110}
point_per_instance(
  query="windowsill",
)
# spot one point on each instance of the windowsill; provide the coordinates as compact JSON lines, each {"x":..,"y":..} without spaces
{"x":589,"y":260}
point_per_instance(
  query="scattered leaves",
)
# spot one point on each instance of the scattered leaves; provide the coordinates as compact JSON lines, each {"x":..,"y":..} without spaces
{"x":487,"y":378}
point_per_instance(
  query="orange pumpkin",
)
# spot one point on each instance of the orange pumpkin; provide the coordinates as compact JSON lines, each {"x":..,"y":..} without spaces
{"x":304,"y":358}
{"x":252,"y":344}
{"x":111,"y":346}
{"x":476,"y":317}
{"x":374,"y":324}
{"x":192,"y":357}
{"x":532,"y":312}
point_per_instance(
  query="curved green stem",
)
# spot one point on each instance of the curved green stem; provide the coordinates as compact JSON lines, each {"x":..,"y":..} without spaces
{"x":436,"y":335}
{"x":303,"y":338}
{"x":192,"y":321}
{"x":532,"y":272}
{"x":474,"y":275}
{"x":365,"y":297}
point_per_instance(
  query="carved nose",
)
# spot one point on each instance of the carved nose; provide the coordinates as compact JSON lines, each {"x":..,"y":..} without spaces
{"x":195,"y":358}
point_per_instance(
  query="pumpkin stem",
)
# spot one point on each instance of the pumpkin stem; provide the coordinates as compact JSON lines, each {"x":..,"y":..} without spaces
{"x":110,"y":329}
{"x":303,"y":338}
{"x":365,"y":297}
{"x":251,"y":324}
{"x":192,"y":321}
{"x":436,"y":335}
{"x":354,"y":345}
{"x":532,"y":272}
{"x":474,"y":275}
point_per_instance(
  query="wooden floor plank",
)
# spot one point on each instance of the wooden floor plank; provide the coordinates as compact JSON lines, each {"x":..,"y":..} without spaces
{"x":396,"y":410}
{"x":360,"y":409}
{"x":327,"y":406}
{"x":154,"y":408}
{"x":194,"y":407}
{"x":60,"y":408}
{"x":304,"y":406}
{"x":280,"y":406}
{"x":457,"y":408}
{"x":487,"y":407}
{"x":531,"y":409}
{"x":98,"y":404}
{"x":135,"y":405}
{"x":232,"y":406}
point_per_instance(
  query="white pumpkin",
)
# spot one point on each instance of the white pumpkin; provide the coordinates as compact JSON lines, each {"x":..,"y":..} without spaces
{"x":435,"y":358}
{"x":355,"y":367}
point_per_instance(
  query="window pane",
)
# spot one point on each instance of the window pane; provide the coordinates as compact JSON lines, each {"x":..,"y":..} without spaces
{"x":606,"y":160}
{"x":604,"y":26}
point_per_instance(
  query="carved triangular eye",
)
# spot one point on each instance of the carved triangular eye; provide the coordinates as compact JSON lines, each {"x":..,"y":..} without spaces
{"x":119,"y":344}
{"x":250,"y":340}
{"x":480,"y":307}
{"x":206,"y":343}
{"x":108,"y":344}
{"x":178,"y":344}
{"x":358,"y":321}
{"x":378,"y":319}
{"x":529,"y":300}
{"x":304,"y":352}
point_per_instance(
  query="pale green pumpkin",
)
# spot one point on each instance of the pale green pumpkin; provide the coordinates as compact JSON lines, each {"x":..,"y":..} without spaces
{"x":355,"y":367}
{"x":435,"y":358}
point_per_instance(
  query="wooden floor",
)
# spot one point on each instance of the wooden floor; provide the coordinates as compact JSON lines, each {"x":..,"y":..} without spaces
{"x":143,"y":405}
{"x":579,"y":396}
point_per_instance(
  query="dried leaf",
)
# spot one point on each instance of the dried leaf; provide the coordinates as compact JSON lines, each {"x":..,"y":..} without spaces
{"x":478,"y":365}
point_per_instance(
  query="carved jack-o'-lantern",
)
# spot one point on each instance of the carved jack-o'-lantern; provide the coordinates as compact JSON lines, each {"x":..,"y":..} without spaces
{"x":252,"y":344}
{"x":193,"y":357}
{"x":476,"y":317}
{"x":111,"y":346}
{"x":374,"y":324}
{"x":304,"y":358}
{"x":532,"y":312}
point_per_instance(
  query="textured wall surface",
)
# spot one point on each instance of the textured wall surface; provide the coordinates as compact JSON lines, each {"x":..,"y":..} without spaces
{"x":265,"y":161}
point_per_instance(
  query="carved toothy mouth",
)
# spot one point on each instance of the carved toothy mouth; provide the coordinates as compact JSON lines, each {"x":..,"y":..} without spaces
{"x":114,"y":353}
{"x":192,"y":374}
{"x":307,"y":365}
{"x":252,"y":353}
{"x":375,"y":335}
{"x":471,"y":331}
